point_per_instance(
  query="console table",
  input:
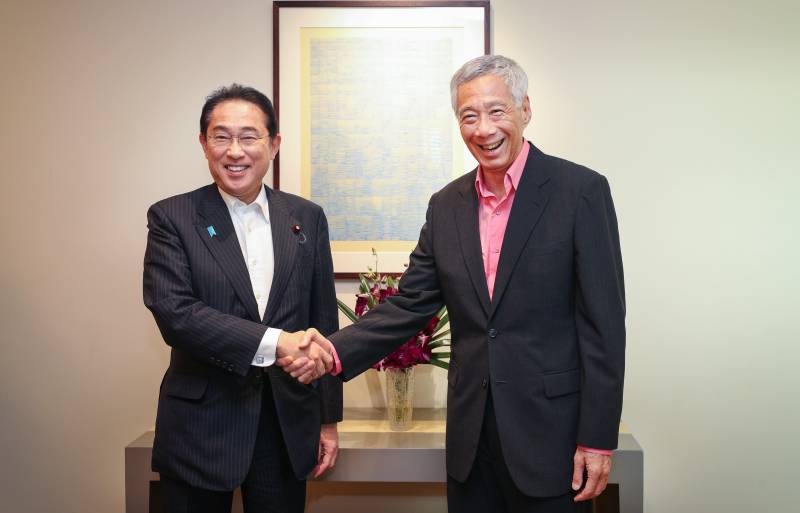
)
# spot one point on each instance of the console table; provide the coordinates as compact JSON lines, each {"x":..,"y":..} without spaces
{"x":375,"y":462}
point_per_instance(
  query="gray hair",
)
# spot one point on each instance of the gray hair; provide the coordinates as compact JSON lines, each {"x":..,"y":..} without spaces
{"x":512,"y":74}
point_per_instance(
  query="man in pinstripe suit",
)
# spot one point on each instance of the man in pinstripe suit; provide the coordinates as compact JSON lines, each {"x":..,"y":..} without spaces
{"x":233,"y":273}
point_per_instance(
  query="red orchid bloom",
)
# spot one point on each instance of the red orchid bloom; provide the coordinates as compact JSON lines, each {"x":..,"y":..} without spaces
{"x":376,"y":288}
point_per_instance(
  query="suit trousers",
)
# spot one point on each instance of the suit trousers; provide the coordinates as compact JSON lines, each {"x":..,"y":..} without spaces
{"x":269,"y":487}
{"x":490,"y":487}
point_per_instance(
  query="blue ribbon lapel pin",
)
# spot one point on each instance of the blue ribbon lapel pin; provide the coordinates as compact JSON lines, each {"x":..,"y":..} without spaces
{"x":211,"y":231}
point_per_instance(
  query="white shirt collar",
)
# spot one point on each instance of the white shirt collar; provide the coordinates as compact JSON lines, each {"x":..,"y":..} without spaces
{"x":234,"y":203}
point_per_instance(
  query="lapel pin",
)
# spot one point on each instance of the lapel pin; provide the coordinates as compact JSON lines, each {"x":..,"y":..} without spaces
{"x":301,"y":235}
{"x":211,"y":231}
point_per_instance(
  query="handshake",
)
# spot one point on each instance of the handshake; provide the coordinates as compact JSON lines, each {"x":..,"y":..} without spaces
{"x":305,"y":355}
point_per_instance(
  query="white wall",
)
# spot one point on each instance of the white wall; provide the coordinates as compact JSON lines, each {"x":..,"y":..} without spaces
{"x":687,"y":107}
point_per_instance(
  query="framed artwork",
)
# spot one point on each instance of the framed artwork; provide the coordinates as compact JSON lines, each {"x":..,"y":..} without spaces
{"x":362,"y":93}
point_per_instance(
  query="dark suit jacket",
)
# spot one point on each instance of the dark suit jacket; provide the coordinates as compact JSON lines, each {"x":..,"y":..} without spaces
{"x":550,"y":344}
{"x":198,"y":289}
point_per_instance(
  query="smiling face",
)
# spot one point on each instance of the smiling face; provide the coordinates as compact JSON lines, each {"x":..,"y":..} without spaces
{"x":238,"y":170}
{"x":491,"y":123}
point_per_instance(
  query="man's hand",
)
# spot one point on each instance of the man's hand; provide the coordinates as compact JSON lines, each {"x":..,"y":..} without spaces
{"x":328,"y":449}
{"x":304,"y":354}
{"x":598,"y":467}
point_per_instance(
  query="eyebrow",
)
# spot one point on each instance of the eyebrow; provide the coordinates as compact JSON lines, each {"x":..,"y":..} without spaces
{"x":495,"y":103}
{"x":228,"y":129}
{"x":487,"y":105}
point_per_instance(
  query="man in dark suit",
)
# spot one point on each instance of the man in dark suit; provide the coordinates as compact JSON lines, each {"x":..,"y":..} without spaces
{"x":524,"y":251}
{"x":233,"y":273}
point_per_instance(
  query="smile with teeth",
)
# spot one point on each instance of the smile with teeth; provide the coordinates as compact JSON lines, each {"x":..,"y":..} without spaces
{"x":236,"y":169}
{"x":493,"y":146}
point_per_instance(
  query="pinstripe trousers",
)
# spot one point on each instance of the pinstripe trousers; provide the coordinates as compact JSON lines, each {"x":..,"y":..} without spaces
{"x":270,"y":485}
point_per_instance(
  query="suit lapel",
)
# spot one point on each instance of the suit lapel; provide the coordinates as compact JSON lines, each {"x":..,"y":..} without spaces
{"x":469,"y":237}
{"x":284,"y":246}
{"x":529,"y":203}
{"x":219,"y":235}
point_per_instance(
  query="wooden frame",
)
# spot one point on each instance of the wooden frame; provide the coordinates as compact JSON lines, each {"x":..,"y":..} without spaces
{"x":319,"y":25}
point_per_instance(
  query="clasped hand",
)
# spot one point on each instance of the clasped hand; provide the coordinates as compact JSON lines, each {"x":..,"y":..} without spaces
{"x":305,"y":355}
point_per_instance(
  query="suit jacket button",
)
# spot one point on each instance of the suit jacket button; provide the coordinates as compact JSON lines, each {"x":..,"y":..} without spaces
{"x":492,"y":333}
{"x":484,"y":383}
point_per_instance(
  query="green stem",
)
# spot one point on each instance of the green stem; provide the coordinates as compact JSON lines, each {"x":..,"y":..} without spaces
{"x":346,"y":310}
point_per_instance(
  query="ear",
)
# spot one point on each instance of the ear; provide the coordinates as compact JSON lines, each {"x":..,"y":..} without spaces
{"x":275,"y":145}
{"x":204,"y":144}
{"x":526,"y":110}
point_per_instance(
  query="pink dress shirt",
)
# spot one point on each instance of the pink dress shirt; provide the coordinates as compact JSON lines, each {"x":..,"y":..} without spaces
{"x":493,"y":214}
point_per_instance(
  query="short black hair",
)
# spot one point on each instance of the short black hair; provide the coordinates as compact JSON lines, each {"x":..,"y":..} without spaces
{"x":239,"y":92}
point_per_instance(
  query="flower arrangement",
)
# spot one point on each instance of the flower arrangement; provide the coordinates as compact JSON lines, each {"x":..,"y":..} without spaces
{"x":374,"y":288}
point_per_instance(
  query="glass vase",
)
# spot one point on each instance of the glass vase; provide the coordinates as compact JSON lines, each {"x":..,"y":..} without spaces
{"x":400,"y":397}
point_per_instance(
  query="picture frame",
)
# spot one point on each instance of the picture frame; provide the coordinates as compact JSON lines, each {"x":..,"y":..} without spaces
{"x":361,"y":92}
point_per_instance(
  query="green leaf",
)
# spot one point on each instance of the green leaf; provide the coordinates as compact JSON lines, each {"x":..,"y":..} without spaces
{"x":371,"y":301}
{"x":363,"y":287}
{"x":443,"y":320}
{"x":441,"y":365}
{"x":440,"y":336}
{"x":346,"y":310}
{"x":439,"y":343}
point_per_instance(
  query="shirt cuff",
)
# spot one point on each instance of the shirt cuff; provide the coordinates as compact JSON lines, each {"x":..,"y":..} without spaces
{"x":596,"y":451}
{"x":265,"y":355}
{"x":337,"y":364}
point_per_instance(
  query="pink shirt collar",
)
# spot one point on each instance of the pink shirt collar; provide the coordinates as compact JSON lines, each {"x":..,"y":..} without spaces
{"x":513,"y":174}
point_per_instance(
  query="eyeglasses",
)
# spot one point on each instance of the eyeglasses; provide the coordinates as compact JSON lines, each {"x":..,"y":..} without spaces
{"x":220,"y":141}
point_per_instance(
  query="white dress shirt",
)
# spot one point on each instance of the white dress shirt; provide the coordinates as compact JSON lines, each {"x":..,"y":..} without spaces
{"x":254,"y":232}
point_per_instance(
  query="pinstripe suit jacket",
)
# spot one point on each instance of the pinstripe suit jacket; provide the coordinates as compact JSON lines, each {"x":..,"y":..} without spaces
{"x":549,"y":345}
{"x":197,"y":286}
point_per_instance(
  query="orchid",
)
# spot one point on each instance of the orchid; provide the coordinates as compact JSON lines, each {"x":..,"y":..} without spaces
{"x":375,"y":288}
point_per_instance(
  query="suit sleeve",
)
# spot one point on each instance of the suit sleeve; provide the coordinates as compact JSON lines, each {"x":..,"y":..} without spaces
{"x":384,"y":328}
{"x":185,"y":322}
{"x":600,"y":315}
{"x":325,"y":317}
